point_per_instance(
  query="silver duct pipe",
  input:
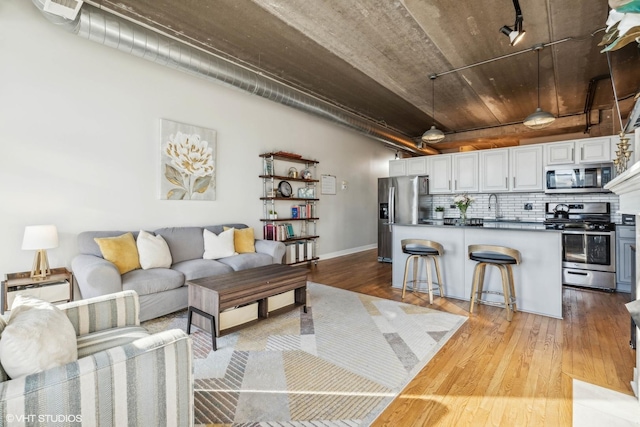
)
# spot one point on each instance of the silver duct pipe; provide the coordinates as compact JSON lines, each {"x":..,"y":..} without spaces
{"x":118,"y":33}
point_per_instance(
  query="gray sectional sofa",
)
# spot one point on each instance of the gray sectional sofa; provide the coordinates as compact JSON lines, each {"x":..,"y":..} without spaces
{"x":162,"y":290}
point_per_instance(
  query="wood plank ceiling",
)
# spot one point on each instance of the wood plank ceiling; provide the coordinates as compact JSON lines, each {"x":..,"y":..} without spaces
{"x":374,"y":58}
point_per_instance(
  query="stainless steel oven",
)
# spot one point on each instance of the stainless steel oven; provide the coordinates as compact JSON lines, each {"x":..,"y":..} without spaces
{"x":588,"y":243}
{"x":589,"y":258}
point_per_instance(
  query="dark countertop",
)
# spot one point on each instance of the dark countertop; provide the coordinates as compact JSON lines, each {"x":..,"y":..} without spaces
{"x":500,"y":224}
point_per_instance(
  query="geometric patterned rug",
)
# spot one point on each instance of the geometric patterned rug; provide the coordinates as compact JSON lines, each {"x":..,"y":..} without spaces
{"x":339,"y":364}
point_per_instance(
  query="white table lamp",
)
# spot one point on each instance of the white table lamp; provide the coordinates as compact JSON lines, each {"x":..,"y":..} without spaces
{"x":40,"y":238}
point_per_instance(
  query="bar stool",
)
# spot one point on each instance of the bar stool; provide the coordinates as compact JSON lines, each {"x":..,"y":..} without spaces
{"x":426,"y":250}
{"x":502,"y":258}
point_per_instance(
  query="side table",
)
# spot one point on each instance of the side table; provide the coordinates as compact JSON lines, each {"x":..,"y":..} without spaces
{"x":57,"y":287}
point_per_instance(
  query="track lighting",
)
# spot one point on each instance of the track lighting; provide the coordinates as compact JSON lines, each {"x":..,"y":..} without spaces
{"x":434,"y":134}
{"x":516,"y":33}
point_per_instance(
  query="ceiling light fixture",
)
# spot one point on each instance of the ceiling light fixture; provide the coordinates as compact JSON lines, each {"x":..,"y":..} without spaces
{"x":433,"y":135}
{"x":539,"y":119}
{"x":516,"y":33}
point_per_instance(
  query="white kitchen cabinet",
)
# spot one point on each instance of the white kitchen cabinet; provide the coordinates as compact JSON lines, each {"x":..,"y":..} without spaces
{"x":593,"y":150}
{"x":465,"y":173}
{"x":439,"y":170}
{"x":494,"y":170}
{"x":588,"y":150}
{"x":417,"y":165}
{"x":560,"y":153}
{"x":398,"y":167}
{"x":526,"y":168}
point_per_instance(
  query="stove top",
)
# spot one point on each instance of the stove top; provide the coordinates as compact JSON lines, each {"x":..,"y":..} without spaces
{"x":588,"y":216}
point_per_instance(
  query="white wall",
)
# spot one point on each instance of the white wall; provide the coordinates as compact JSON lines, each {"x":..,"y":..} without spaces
{"x":79,"y":138}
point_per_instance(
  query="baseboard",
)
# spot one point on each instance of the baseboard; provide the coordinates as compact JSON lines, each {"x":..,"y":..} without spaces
{"x":348,"y":251}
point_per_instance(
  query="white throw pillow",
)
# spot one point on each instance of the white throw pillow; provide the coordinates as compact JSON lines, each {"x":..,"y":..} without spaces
{"x":38,"y":336}
{"x":218,"y":246}
{"x":153,"y":251}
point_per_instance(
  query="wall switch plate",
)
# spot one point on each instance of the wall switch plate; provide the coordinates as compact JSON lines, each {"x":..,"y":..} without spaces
{"x":528,"y":206}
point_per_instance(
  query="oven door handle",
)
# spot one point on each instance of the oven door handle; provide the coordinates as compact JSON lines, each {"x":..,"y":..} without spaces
{"x":590,"y":233}
{"x":577,"y":273}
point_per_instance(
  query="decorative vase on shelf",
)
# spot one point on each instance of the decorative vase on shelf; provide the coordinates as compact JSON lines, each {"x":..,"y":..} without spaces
{"x":439,"y":215}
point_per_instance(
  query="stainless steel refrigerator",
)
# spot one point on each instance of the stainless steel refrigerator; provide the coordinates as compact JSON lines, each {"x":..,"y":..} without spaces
{"x":400,"y":200}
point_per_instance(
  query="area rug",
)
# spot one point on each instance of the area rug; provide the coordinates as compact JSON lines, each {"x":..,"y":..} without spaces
{"x":339,"y":364}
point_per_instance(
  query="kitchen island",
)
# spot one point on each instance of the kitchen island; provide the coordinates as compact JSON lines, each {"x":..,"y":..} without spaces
{"x":538,"y":279}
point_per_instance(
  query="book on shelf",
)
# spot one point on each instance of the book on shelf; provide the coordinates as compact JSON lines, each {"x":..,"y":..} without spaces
{"x":275,"y":232}
{"x":294,"y":212}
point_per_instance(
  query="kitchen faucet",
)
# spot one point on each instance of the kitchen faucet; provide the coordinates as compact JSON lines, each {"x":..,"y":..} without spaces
{"x":497,"y":206}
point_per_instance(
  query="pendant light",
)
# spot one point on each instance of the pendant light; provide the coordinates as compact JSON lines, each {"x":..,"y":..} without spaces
{"x":539,"y":119}
{"x":433,"y":135}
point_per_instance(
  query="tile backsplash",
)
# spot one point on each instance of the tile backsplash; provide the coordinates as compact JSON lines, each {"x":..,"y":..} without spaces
{"x":511,"y":205}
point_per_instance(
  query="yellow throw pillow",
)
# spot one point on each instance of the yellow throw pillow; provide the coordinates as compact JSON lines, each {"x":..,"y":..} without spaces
{"x":120,"y":250}
{"x":244,"y":240}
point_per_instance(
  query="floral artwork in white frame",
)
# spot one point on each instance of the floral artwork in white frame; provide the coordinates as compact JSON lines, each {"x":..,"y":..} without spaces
{"x":188,"y":162}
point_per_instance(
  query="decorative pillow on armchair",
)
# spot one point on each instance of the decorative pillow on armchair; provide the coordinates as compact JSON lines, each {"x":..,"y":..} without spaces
{"x":38,"y":336}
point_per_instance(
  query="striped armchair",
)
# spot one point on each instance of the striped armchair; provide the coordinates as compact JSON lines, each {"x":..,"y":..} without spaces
{"x":123,"y":375}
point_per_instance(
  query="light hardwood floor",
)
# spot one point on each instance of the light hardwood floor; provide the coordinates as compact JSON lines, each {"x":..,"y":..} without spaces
{"x":494,"y":372}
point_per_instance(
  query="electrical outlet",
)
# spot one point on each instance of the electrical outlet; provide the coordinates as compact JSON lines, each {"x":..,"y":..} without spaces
{"x":528,"y":206}
{"x":452,"y":206}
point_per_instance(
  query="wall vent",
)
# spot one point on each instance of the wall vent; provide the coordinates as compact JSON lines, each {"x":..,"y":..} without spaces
{"x":66,"y":8}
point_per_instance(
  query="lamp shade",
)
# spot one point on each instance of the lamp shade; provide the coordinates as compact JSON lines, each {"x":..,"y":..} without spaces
{"x":539,"y":119}
{"x":433,"y":135}
{"x":38,"y":237}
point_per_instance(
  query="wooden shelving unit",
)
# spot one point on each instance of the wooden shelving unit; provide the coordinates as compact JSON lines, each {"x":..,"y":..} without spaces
{"x":301,"y":238}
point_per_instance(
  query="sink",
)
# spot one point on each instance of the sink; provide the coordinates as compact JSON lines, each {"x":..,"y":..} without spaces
{"x":502,"y":220}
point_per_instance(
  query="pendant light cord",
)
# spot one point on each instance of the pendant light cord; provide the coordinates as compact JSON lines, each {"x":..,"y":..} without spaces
{"x":433,"y":97}
{"x":538,"y":52}
{"x":615,"y":95}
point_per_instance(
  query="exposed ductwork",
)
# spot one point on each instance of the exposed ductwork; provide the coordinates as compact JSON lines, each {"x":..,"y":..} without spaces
{"x":125,"y":36}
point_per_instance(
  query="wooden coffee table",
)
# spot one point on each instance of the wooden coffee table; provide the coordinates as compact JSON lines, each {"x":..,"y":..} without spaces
{"x":209,"y":296}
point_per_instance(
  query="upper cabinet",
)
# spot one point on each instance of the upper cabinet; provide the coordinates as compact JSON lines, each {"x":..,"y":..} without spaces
{"x":465,"y":173}
{"x":513,"y":169}
{"x":526,"y":169}
{"x":411,"y":166}
{"x":417,"y":166}
{"x":588,"y":150}
{"x":494,"y":170}
{"x":439,"y":170}
{"x":593,"y":150}
{"x":453,"y":173}
{"x":397,"y":167}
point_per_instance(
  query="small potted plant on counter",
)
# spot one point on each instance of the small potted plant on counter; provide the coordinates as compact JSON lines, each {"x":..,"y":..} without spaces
{"x":439,"y":212}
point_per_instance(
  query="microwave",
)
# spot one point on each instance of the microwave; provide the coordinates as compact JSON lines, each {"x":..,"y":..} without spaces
{"x":578,"y":178}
